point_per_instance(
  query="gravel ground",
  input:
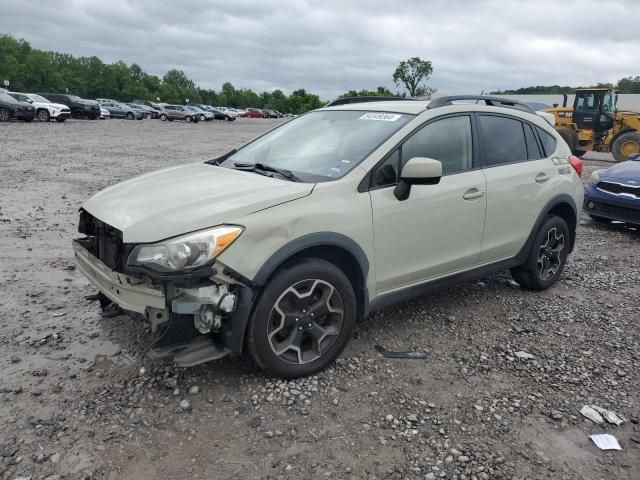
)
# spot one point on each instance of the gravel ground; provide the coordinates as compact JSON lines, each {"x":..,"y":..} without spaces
{"x":77,"y":399}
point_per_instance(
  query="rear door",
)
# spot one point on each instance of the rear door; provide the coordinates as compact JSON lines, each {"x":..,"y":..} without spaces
{"x":519,"y":183}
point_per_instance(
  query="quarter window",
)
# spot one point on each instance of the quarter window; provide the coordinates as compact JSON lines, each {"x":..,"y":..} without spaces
{"x":533,"y":150}
{"x":504,"y":140}
{"x":447,"y":140}
{"x":548,"y":142}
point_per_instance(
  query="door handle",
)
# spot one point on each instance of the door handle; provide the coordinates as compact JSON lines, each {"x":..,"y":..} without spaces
{"x":542,"y":177}
{"x":473,"y":193}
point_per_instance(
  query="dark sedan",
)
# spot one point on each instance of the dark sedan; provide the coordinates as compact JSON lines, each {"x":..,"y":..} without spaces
{"x":220,"y":115}
{"x":12,"y":108}
{"x":614,"y":193}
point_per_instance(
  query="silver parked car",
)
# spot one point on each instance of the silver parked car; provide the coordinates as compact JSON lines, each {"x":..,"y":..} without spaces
{"x":177,"y":112}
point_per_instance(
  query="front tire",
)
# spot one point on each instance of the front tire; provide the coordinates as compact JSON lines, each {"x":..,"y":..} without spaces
{"x":130,"y":116}
{"x":303,"y":319}
{"x":188,"y":119}
{"x":60,"y":120}
{"x":625,"y":145}
{"x":547,"y":257}
{"x":43,"y":115}
{"x":5,"y":115}
{"x":163,"y":118}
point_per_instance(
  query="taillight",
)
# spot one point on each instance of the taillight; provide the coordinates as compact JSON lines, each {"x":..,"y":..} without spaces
{"x":576,"y":163}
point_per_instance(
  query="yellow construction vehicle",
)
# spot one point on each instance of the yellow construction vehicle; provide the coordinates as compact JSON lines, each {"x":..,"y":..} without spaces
{"x":595,"y":124}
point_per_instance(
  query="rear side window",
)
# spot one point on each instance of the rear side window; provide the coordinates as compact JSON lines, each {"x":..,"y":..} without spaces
{"x":504,"y":140}
{"x":548,"y":142}
{"x":533,"y":150}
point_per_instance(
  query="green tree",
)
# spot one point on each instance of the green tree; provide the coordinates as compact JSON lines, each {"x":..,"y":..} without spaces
{"x":411,"y":73}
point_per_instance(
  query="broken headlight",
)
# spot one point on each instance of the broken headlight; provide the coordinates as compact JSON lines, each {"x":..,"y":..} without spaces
{"x":186,"y":252}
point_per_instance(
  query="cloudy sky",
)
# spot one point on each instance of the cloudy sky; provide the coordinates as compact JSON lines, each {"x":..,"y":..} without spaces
{"x":330,"y":46}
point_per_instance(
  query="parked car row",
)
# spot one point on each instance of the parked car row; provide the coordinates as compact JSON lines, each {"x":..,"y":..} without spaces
{"x":56,"y":106}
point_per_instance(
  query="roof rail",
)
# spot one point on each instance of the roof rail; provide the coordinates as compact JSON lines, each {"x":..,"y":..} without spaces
{"x":347,"y":100}
{"x":488,"y":100}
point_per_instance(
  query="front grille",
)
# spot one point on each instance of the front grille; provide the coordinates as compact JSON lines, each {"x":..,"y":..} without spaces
{"x":607,"y":210}
{"x":618,"y":188}
{"x":104,"y":241}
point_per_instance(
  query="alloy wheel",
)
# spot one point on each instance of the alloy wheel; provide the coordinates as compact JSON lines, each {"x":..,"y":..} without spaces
{"x":550,"y":254}
{"x":305,"y":321}
{"x":5,"y":116}
{"x":43,"y":116}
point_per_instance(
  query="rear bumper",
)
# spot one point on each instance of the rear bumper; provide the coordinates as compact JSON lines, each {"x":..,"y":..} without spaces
{"x":128,"y":292}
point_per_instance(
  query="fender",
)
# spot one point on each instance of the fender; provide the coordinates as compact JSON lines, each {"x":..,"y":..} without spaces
{"x":234,"y":337}
{"x":319,"y":239}
{"x":560,"y":199}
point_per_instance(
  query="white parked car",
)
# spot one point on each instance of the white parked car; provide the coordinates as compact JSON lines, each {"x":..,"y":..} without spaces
{"x":285,"y":243}
{"x":45,"y":109}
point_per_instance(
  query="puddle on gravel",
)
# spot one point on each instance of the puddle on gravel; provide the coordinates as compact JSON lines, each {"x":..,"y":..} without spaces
{"x":103,"y":362}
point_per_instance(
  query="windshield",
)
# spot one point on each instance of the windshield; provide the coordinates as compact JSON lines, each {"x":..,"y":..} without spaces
{"x":326,"y":144}
{"x":38,"y":98}
{"x":7,"y":98}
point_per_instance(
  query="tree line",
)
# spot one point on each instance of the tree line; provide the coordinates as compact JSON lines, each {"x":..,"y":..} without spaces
{"x":624,"y":85}
{"x":32,"y":70}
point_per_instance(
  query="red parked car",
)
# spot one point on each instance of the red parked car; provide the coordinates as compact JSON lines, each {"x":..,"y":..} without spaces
{"x":254,"y":113}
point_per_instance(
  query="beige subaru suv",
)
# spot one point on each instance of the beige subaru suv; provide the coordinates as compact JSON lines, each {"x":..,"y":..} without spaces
{"x":281,"y":246}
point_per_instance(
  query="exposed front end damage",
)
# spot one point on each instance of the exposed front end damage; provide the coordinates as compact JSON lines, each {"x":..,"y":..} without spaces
{"x":195,"y":318}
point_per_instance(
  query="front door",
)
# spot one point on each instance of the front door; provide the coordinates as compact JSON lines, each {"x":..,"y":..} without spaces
{"x":438,"y":230}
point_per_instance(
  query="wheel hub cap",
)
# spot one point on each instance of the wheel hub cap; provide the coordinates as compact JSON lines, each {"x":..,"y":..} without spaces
{"x":550,"y":254}
{"x":305,"y":321}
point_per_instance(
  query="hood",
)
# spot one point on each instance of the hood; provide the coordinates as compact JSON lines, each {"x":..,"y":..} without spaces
{"x":187,"y":198}
{"x":623,"y":171}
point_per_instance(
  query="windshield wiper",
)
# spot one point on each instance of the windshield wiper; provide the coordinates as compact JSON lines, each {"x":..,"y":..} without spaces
{"x":219,"y":160}
{"x":263,"y":167}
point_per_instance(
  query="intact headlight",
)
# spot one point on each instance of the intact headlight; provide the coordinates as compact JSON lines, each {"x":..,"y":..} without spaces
{"x":594,"y":179}
{"x":186,"y":252}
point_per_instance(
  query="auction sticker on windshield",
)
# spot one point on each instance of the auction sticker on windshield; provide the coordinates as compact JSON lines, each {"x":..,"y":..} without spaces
{"x":385,"y":117}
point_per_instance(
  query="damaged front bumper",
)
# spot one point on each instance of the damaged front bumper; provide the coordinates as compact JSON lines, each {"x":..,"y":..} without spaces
{"x":193,"y":323}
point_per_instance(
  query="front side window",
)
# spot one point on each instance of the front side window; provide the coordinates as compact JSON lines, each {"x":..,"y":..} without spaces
{"x":447,"y":140}
{"x":321,"y":145}
{"x":503,"y":140}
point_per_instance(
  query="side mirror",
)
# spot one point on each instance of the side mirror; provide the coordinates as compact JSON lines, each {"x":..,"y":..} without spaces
{"x":418,"y":171}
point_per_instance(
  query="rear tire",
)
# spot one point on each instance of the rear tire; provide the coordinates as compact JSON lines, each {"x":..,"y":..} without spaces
{"x":130,"y":116}
{"x":284,"y":336}
{"x":5,"y":115}
{"x":163,"y":117}
{"x":625,"y":145}
{"x":547,"y":257}
{"x":188,"y":119}
{"x":43,"y":115}
{"x":570,"y":136}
